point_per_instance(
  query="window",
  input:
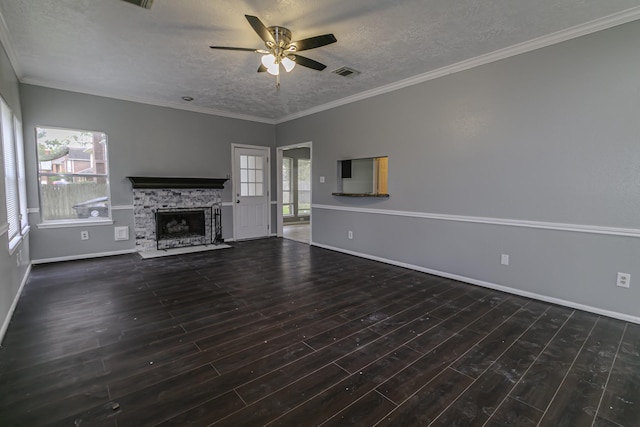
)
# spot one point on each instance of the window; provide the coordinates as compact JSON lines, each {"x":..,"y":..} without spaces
{"x":22,"y":177}
{"x":287,"y":193}
{"x":251,"y":175}
{"x":15,"y":184}
{"x":304,"y":187}
{"x":73,"y":175}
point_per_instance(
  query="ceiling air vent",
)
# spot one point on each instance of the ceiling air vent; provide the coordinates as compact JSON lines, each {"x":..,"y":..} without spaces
{"x":142,"y":3}
{"x":346,"y":72}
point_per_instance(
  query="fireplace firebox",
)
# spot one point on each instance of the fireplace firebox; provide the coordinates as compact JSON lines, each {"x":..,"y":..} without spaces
{"x":183,"y":227}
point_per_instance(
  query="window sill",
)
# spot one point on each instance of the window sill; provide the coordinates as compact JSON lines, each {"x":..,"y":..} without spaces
{"x":74,"y":223}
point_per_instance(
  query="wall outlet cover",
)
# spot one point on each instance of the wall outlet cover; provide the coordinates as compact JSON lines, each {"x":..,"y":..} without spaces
{"x":623,"y":280}
{"x":121,"y":233}
{"x":504,"y":259}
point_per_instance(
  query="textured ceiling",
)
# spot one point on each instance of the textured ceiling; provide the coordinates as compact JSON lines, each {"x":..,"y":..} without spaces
{"x":116,"y":49}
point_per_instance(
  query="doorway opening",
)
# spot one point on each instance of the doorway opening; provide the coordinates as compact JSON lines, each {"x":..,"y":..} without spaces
{"x":294,"y":192}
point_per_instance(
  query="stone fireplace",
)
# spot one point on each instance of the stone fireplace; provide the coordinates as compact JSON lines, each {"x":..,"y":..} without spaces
{"x":176,"y":212}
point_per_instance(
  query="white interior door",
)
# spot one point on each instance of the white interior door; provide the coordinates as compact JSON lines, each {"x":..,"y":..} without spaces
{"x":250,"y":184}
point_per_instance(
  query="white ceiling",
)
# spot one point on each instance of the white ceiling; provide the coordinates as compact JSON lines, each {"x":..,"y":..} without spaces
{"x":156,"y":56}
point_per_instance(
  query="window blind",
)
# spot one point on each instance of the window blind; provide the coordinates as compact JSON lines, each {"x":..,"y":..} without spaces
{"x":22,"y":176}
{"x":10,"y":172}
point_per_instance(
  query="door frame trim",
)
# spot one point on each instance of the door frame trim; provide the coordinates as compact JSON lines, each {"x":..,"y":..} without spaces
{"x":279,"y":156}
{"x":267,"y":186}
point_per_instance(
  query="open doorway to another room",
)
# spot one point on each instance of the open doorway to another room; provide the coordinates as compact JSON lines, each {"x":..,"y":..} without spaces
{"x":294,"y":207}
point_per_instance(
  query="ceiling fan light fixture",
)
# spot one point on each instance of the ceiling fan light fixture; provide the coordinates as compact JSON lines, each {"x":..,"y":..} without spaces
{"x":288,"y":64}
{"x":269,"y":61}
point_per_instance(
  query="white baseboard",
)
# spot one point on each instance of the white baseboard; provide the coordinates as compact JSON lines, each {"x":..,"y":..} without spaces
{"x":7,"y":320}
{"x":489,"y":285}
{"x":84,"y":256}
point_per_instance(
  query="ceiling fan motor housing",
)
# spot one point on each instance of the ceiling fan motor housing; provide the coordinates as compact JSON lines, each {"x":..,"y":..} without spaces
{"x":282,"y":36}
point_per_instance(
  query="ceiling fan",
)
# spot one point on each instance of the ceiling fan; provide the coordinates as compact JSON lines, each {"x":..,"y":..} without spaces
{"x":280,"y":50}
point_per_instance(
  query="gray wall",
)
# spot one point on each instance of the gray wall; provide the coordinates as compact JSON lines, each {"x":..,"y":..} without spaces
{"x":143,"y":140}
{"x":550,"y":136}
{"x":14,"y":267}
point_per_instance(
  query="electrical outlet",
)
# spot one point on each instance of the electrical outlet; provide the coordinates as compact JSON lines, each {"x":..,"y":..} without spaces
{"x":322,"y":180}
{"x":624,"y":280}
{"x":350,"y":235}
{"x":84,"y":235}
{"x":504,"y":259}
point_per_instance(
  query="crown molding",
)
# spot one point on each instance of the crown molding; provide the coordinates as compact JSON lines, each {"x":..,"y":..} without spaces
{"x":140,"y":100}
{"x":610,"y":21}
{"x":517,"y":49}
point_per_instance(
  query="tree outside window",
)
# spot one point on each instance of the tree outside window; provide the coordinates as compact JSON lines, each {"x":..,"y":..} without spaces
{"x":72,"y":174}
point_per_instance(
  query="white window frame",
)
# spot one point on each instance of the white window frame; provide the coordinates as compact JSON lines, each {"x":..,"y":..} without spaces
{"x":74,"y":222}
{"x":299,"y":209}
{"x":291,"y":205}
{"x":15,"y":182}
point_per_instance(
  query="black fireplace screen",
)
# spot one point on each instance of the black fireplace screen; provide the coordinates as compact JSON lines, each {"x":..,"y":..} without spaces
{"x":187,"y":227}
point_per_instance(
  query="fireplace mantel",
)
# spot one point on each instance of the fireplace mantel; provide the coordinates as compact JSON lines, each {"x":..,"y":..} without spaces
{"x":170,"y":182}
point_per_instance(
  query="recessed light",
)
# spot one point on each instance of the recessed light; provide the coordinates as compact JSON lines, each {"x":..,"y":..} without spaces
{"x":187,"y":98}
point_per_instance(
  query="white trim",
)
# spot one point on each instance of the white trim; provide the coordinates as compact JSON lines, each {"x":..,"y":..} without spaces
{"x":4,"y":228}
{"x":517,"y":49}
{"x":14,"y":304}
{"x":489,"y":285}
{"x":14,"y":243}
{"x":578,"y":228}
{"x":600,"y":24}
{"x":33,"y":210}
{"x":83,"y":256}
{"x":17,"y":240}
{"x":74,"y":223}
{"x":147,"y":101}
{"x":122,"y":208}
{"x":226,"y":204}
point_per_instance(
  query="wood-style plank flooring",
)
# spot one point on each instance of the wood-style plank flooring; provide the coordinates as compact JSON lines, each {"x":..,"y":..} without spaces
{"x":275,"y":332}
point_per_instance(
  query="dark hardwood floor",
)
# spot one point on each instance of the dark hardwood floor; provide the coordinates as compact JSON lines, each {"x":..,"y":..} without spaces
{"x":277,"y":332}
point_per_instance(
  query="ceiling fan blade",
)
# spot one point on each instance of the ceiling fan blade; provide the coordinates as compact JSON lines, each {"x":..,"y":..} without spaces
{"x":243,"y":49}
{"x":314,"y":42}
{"x":306,"y":62}
{"x":260,"y":29}
{"x":262,"y":68}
